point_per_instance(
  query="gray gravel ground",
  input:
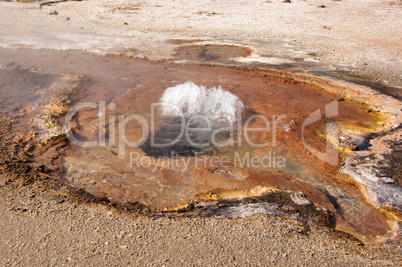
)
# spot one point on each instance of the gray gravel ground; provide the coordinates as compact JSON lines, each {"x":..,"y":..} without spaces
{"x":36,"y":230}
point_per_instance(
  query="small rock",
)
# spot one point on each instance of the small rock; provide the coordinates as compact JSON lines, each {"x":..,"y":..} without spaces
{"x":123,"y":246}
{"x":288,"y":209}
{"x":54,"y":13}
{"x":387,"y":180}
{"x":299,"y":200}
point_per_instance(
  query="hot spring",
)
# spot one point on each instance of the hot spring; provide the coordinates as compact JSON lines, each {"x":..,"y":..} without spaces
{"x":163,"y":133}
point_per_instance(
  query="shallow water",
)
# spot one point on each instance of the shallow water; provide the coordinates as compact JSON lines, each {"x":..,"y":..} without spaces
{"x":123,"y":173}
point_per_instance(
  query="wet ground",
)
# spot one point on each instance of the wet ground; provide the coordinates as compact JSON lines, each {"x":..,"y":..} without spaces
{"x":394,"y":92}
{"x":124,"y":174}
{"x":208,"y":53}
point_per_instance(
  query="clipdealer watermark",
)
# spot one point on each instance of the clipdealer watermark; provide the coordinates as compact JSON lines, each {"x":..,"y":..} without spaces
{"x":271,"y":160}
{"x":234,"y":131}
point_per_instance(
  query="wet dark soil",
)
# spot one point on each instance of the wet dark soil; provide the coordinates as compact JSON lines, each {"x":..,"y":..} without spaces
{"x":394,"y":164}
{"x":363,"y":80}
{"x":211,"y":53}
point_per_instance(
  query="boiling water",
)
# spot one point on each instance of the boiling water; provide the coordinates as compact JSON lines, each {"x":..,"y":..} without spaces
{"x":189,"y":99}
{"x":198,"y":120}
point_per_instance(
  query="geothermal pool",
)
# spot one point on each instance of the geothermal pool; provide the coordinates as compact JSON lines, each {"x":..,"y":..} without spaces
{"x":114,"y":100}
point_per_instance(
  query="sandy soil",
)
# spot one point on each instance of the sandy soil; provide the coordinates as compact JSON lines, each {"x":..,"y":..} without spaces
{"x":361,"y":37}
{"x":40,"y":230}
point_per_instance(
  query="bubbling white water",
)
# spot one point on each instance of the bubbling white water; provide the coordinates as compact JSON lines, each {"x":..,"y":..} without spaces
{"x":199,"y":121}
{"x":189,"y":99}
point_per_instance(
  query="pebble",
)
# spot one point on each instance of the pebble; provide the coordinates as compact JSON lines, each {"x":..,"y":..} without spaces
{"x":299,"y":200}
